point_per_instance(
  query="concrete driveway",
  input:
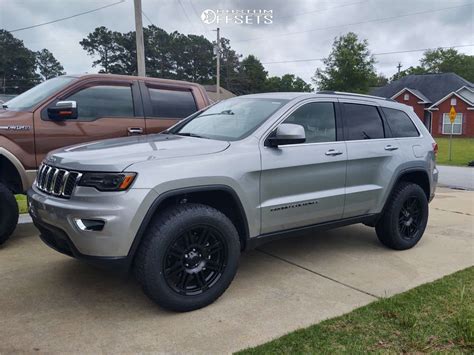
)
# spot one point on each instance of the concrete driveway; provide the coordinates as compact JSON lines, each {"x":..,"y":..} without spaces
{"x":51,"y":303}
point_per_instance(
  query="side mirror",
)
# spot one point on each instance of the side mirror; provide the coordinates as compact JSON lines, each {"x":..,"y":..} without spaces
{"x":286,"y":133}
{"x":63,"y":110}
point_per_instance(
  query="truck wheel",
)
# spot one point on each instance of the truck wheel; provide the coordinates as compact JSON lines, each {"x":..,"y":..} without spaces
{"x":8,"y":213}
{"x":405,"y":217}
{"x":188,"y":257}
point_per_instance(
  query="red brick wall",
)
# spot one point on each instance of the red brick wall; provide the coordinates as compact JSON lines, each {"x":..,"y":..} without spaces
{"x":461,"y":107}
{"x":413,"y":102}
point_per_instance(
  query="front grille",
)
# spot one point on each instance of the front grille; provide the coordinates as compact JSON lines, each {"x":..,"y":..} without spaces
{"x":56,"y":182}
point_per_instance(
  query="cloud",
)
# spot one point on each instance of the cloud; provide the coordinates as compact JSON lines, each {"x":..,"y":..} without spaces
{"x":442,"y":28}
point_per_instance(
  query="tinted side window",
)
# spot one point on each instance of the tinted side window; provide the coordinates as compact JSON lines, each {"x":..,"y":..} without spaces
{"x":400,"y":124}
{"x":172,"y":103}
{"x":103,"y":101}
{"x":362,"y":122}
{"x":318,"y":120}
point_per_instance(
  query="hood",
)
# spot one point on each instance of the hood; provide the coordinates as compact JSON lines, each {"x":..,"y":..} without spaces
{"x":9,"y":114}
{"x":119,"y":153}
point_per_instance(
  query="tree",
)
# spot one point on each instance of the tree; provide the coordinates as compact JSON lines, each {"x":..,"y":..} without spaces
{"x":230,"y":62}
{"x":442,"y":61}
{"x":194,"y":55}
{"x":47,"y":65}
{"x":349,"y":67}
{"x":448,"y":60}
{"x":102,"y":43}
{"x":287,"y":82}
{"x":17,"y":65}
{"x":252,"y":76}
{"x":380,"y":80}
{"x":408,"y":71}
{"x":159,"y":59}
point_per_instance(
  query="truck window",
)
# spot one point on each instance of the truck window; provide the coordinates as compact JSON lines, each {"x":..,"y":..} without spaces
{"x":400,"y":124}
{"x":362,"y":122}
{"x":318,"y":120}
{"x":103,"y":101}
{"x":171,"y":103}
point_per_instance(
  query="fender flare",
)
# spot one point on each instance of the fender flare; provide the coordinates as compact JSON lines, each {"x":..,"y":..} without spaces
{"x":398,"y":178}
{"x":156,"y":204}
{"x":25,"y":181}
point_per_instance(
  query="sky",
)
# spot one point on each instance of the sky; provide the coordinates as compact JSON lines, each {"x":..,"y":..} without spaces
{"x":301,"y":29}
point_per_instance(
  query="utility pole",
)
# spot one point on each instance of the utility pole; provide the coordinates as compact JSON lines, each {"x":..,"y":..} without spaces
{"x":139,"y":37}
{"x":218,"y":74}
{"x":399,"y":66}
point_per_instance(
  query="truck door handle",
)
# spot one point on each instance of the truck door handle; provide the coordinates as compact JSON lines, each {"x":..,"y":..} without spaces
{"x":134,"y":130}
{"x":390,"y":147}
{"x":333,"y":152}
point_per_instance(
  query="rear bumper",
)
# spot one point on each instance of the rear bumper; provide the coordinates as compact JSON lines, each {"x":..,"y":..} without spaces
{"x":434,"y":183}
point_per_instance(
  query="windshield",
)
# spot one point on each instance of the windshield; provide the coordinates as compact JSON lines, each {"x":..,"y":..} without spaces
{"x":230,"y":120}
{"x":35,"y":95}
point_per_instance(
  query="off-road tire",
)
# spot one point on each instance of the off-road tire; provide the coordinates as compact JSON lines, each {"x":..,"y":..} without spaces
{"x":165,"y":230}
{"x":8,"y":213}
{"x":388,"y":227}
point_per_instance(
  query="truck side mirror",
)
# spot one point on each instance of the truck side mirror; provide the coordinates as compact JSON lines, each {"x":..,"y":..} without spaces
{"x":63,"y":110}
{"x":286,"y":133}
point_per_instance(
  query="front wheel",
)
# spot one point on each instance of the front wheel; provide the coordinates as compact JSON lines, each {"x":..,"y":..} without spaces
{"x":8,"y":213}
{"x":405,"y":217}
{"x":188,"y":257}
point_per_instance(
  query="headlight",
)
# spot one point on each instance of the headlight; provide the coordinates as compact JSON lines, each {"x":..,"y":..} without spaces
{"x":108,"y":181}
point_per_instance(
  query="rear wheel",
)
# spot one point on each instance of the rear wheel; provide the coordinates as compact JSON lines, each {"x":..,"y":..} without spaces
{"x":188,"y":257}
{"x":8,"y":213}
{"x":405,"y":217}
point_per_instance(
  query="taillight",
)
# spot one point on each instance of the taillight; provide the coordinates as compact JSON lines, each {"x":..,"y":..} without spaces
{"x":435,"y":149}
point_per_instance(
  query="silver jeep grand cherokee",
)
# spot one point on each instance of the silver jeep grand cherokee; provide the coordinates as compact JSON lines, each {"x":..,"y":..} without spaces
{"x":178,"y":207}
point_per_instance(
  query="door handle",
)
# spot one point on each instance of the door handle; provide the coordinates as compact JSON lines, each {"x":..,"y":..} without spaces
{"x":390,"y":147}
{"x":333,"y":152}
{"x":134,"y":130}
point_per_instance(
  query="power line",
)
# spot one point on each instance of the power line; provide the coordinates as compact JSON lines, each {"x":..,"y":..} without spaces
{"x":354,"y":23}
{"x":198,"y":17}
{"x":66,"y":18}
{"x":376,"y":54}
{"x":308,"y":12}
{"x":325,"y":9}
{"x":186,"y":14}
{"x":144,"y":14}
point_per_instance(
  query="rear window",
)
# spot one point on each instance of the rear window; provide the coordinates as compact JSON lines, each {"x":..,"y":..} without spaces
{"x":400,"y":124}
{"x":362,"y":122}
{"x":172,"y":103}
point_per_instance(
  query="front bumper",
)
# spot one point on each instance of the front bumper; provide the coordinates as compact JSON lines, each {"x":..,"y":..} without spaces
{"x":122,"y":213}
{"x":58,"y":240}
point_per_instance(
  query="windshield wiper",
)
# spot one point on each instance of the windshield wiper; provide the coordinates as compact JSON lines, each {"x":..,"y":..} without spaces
{"x":226,"y":112}
{"x":188,"y":134}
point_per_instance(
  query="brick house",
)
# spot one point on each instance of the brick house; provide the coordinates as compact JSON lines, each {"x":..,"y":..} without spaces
{"x":431,"y":96}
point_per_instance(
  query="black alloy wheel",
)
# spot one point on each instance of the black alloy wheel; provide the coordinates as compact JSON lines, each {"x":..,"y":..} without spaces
{"x":188,"y":256}
{"x":404,"y":217}
{"x":195,"y":261}
{"x":410,"y":218}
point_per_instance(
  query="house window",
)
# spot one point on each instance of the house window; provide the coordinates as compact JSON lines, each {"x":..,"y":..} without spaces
{"x":453,"y":101}
{"x":406,"y":97}
{"x":457,"y":126}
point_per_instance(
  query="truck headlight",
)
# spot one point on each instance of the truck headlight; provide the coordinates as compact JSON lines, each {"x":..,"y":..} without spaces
{"x":108,"y":181}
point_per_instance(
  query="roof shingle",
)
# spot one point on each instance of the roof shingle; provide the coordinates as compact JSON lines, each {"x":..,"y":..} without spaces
{"x":432,"y":86}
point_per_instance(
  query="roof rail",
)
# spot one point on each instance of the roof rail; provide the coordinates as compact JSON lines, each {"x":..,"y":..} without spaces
{"x":354,"y":94}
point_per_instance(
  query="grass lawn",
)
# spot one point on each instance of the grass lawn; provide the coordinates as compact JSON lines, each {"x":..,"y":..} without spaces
{"x":435,"y":317}
{"x":21,"y":199}
{"x":462,"y":151}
